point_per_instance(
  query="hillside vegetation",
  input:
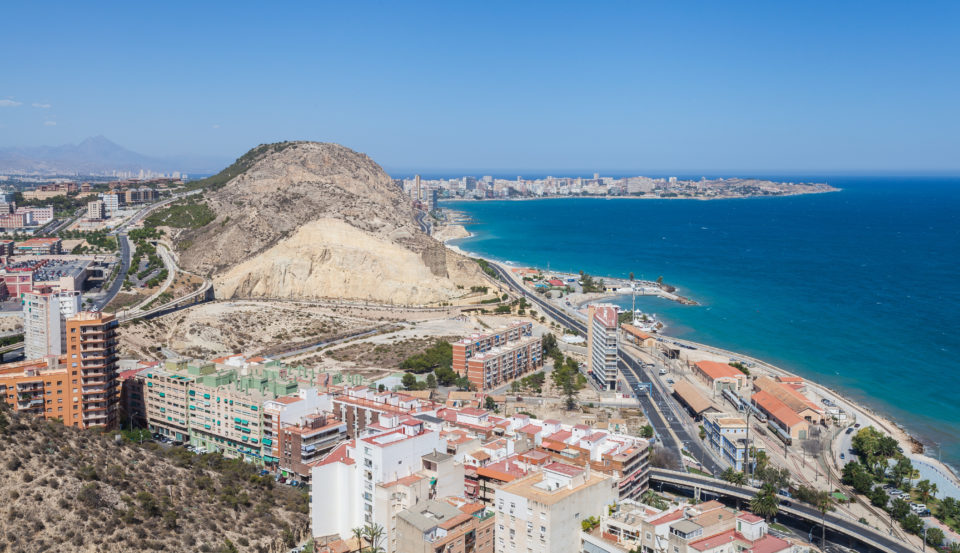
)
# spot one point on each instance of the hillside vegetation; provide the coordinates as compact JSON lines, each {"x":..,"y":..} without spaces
{"x":88,"y":491}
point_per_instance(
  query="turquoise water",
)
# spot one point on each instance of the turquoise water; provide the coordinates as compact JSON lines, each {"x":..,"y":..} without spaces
{"x":855,"y":289}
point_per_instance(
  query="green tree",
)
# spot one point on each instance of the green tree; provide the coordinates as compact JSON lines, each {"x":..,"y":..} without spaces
{"x":646,"y":431}
{"x":948,"y":508}
{"x":934,"y":536}
{"x":358,"y":535}
{"x":878,"y":497}
{"x":899,"y":508}
{"x":431,"y":381}
{"x":923,"y":488}
{"x":490,"y":404}
{"x":912,"y":523}
{"x":375,"y":535}
{"x":902,"y":470}
{"x":408,"y":381}
{"x":765,"y":503}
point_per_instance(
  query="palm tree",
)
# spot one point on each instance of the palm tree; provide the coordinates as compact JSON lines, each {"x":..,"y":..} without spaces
{"x":765,"y":503}
{"x":824,"y":503}
{"x":374,"y":535}
{"x":924,"y":487}
{"x":358,"y":534}
{"x":739,"y":478}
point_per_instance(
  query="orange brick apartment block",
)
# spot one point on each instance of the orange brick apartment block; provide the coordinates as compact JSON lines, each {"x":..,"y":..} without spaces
{"x":79,"y":387}
{"x":491,"y":359}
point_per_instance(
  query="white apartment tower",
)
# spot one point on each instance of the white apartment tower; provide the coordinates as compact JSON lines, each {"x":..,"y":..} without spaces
{"x":602,"y":345}
{"x":371,"y":479}
{"x":44,"y":321}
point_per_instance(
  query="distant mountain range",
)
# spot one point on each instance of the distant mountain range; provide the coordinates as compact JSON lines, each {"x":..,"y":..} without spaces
{"x":97,"y":155}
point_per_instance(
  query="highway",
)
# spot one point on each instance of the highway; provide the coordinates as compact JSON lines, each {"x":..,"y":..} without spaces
{"x":120,"y":233}
{"x":836,"y":524}
{"x":421,"y":220}
{"x":669,"y":430}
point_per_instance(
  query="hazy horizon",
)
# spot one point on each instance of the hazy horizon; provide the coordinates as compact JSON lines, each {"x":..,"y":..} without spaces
{"x":805,"y":88}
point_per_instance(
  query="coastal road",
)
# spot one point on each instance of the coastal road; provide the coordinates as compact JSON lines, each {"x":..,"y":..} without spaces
{"x":669,"y":429}
{"x":422,"y":221}
{"x":836,"y":524}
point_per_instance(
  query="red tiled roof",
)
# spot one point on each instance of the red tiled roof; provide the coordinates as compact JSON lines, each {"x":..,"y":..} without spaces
{"x":715,"y":540}
{"x":561,"y":436}
{"x":530,"y":429}
{"x":473,"y":411}
{"x":716,"y":370}
{"x":749,"y":517}
{"x":668,"y":518}
{"x":769,"y":544}
{"x":776,"y":408}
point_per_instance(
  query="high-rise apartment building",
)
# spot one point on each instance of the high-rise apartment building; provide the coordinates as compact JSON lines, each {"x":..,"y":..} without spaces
{"x":602,"y":345}
{"x":96,"y":210}
{"x":44,"y":321}
{"x":91,"y":350}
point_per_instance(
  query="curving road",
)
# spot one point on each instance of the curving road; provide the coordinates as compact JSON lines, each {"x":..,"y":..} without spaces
{"x":835,"y":523}
{"x":669,"y":430}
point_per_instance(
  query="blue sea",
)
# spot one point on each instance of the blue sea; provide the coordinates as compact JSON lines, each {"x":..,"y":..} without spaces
{"x":856,"y":289}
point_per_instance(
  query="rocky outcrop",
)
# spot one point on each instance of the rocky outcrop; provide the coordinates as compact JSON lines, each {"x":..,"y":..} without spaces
{"x":314,"y":220}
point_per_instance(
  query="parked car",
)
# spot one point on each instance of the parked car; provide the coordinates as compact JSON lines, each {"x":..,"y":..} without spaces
{"x":857,"y":425}
{"x":849,"y":430}
{"x":264,"y":472}
{"x":842,"y":456}
{"x":669,"y":381}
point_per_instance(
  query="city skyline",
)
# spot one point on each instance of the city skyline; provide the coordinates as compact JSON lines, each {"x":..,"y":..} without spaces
{"x":752,"y":87}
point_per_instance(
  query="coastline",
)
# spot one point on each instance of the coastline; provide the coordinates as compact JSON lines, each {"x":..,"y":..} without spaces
{"x":882,"y":421}
{"x":639,"y":197}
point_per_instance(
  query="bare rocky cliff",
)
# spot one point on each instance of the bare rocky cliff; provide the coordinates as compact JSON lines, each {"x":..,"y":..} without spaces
{"x":318,"y":220}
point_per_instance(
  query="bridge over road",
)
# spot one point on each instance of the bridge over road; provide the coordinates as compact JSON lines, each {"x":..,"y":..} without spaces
{"x":860,"y":536}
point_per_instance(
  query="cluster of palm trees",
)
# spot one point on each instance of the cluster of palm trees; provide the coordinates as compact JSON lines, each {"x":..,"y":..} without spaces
{"x":373,"y":535}
{"x":766,"y":503}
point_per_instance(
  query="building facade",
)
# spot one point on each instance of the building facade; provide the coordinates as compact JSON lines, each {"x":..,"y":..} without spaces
{"x":541,"y":513}
{"x":92,"y":351}
{"x":602,"y":344}
{"x":44,"y":321}
{"x":464,"y":349}
{"x":503,"y":364}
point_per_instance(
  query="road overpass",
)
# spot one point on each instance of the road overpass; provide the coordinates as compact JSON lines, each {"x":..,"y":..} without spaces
{"x":839,"y":528}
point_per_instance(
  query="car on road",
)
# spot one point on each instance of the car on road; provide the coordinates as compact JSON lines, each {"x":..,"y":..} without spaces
{"x":857,"y":425}
{"x":843,"y":456}
{"x":849,"y":430}
{"x":669,"y":381}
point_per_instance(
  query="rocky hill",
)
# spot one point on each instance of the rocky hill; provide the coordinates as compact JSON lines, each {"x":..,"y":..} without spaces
{"x":86,"y":491}
{"x":318,"y":220}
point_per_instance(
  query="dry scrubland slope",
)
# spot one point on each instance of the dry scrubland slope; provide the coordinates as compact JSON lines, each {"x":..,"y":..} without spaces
{"x":318,"y":220}
{"x":81,"y":491}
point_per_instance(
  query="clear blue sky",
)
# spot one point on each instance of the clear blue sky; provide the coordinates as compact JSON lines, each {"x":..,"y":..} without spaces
{"x":755,"y":86}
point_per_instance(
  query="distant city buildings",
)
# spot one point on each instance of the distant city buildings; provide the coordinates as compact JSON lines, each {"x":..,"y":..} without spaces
{"x":489,"y":187}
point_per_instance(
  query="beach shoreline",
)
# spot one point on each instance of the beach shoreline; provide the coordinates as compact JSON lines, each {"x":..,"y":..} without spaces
{"x":638,"y":197}
{"x":881,"y":421}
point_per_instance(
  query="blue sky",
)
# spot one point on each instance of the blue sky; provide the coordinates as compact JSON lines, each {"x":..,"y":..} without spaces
{"x":607,"y":86}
